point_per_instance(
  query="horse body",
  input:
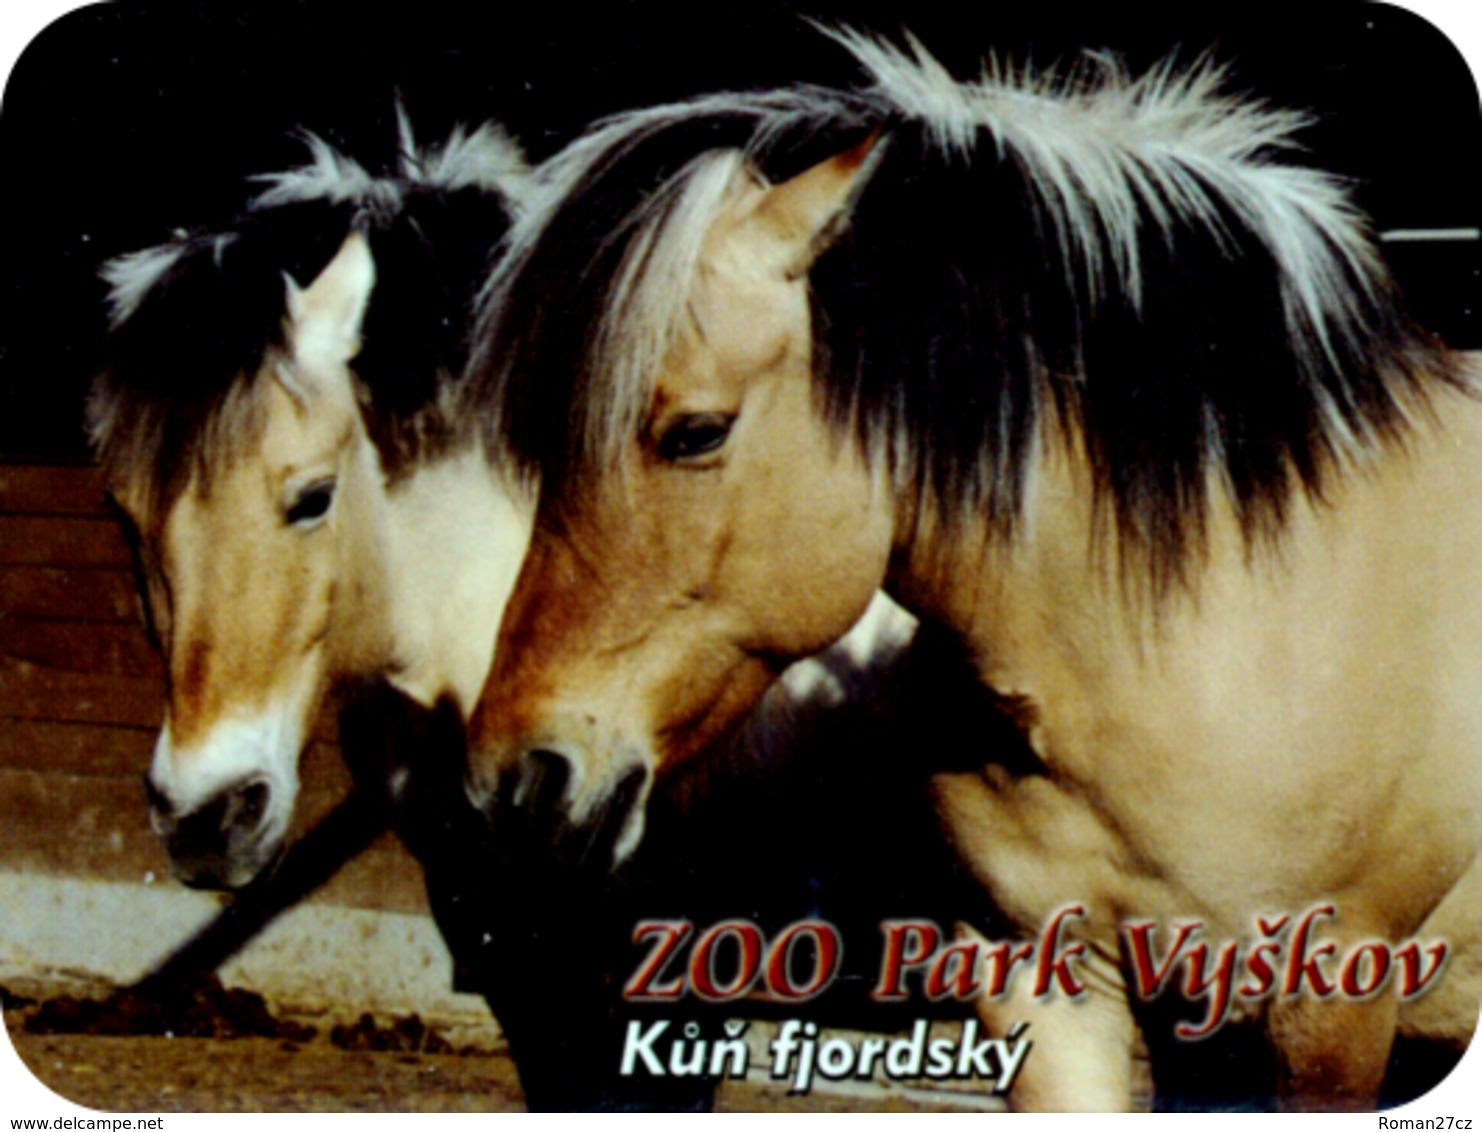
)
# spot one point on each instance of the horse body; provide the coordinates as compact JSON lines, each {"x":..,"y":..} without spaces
{"x":1300,"y":731}
{"x":1350,"y":644}
{"x":1152,"y":441}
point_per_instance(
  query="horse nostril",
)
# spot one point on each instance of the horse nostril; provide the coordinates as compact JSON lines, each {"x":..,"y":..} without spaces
{"x":156,"y":799}
{"x":629,"y":788}
{"x":252,"y":804}
{"x":543,"y":778}
{"x":615,"y":815}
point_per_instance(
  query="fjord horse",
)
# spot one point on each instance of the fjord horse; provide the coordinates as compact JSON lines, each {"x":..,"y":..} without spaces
{"x":300,"y":524}
{"x":1084,"y":372}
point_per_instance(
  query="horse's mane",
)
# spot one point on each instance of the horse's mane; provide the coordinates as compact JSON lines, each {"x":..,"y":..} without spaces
{"x":194,"y":319}
{"x":1145,"y":263}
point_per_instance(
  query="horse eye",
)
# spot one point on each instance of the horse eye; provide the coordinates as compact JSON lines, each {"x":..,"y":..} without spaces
{"x":695,"y":435}
{"x":312,"y":504}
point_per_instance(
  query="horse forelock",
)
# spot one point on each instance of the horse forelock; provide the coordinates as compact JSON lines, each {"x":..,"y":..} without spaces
{"x":1135,"y":258}
{"x":150,"y":448}
{"x":485,"y":158}
{"x":328,"y":175}
{"x":620,"y":218}
{"x":655,"y":279}
{"x":194,"y":320}
{"x":435,"y":222}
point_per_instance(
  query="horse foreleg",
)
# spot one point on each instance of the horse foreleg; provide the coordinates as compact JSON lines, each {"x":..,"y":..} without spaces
{"x":1081,"y":1053}
{"x":1331,"y":1055}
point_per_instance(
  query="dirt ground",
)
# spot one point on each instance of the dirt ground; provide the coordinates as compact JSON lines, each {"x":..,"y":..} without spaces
{"x":157,"y":1074}
{"x":212,"y":1050}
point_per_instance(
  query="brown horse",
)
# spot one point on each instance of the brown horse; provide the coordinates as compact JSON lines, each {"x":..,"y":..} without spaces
{"x":1083,"y":372}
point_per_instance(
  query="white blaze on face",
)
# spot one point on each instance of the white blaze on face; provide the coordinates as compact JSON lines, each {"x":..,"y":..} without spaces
{"x":262,"y":747}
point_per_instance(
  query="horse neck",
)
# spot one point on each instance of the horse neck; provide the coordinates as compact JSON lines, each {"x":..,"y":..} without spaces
{"x":1061,"y":595}
{"x":360,"y":637}
{"x":456,"y":533}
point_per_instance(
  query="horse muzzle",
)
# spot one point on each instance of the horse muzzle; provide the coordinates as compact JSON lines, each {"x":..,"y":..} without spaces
{"x":224,"y":843}
{"x":549,"y":801}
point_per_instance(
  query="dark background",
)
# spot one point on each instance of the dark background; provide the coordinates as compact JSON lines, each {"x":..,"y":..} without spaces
{"x":122,"y":122}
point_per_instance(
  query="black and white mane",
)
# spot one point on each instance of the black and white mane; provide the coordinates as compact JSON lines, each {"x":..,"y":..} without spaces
{"x":1145,"y":264}
{"x":193,"y":319}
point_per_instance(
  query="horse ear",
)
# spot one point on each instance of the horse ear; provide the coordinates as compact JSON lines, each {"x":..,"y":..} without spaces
{"x":324,"y":318}
{"x":804,"y":215}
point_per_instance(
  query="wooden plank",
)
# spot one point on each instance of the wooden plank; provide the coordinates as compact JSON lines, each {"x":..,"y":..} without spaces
{"x":63,"y":825}
{"x":35,"y":692}
{"x":75,"y":748}
{"x":384,"y":878}
{"x":48,"y":591}
{"x":42,"y":540}
{"x":91,"y":749}
{"x":30,"y":691}
{"x":97,"y":827}
{"x":112,"y":649}
{"x":40,"y":489}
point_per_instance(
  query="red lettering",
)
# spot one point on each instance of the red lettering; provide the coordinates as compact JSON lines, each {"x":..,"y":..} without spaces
{"x":1261,"y":970}
{"x":1149,"y":979}
{"x":960,"y":982}
{"x":671,"y":933}
{"x":1001,"y":959}
{"x":1221,"y":982}
{"x":1412,"y":982}
{"x":826,"y":955}
{"x":1349,"y":978}
{"x":899,"y":954}
{"x":1054,"y":963}
{"x":1258,"y":965}
{"x":702,"y":962}
{"x":1300,"y":966}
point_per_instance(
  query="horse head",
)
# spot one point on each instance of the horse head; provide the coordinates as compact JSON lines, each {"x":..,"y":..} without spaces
{"x":243,"y":558}
{"x":652,"y":610}
{"x":307,"y":513}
